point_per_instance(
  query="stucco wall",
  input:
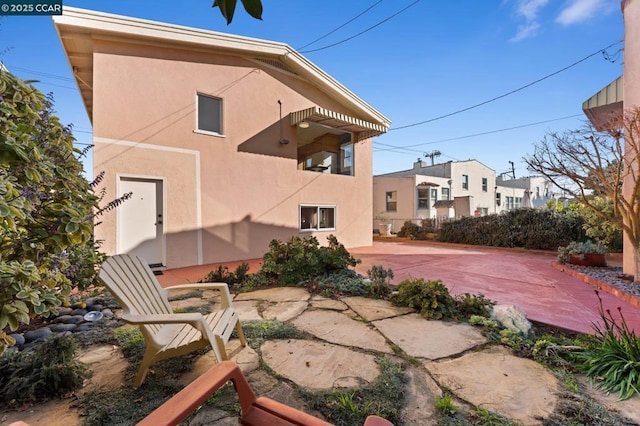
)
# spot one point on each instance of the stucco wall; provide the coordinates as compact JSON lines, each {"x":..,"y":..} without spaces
{"x":250,"y":185}
{"x":631,"y":96}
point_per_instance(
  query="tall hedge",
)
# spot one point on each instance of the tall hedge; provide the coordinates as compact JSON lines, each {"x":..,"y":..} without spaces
{"x":528,"y":228}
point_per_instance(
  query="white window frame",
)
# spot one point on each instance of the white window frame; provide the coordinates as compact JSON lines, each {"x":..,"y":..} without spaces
{"x":391,"y":197}
{"x":485,"y":184}
{"x":425,"y":199}
{"x":316,"y":227}
{"x":448,"y":193}
{"x":220,"y":119}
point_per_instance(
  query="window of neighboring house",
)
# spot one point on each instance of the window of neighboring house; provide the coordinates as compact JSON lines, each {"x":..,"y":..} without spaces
{"x":423,"y":198}
{"x":434,"y":194}
{"x":537,"y":192}
{"x":484,"y":184}
{"x":518,"y":202}
{"x":445,"y":194}
{"x":465,"y":181}
{"x":209,"y":114}
{"x":498,"y":198}
{"x":317,"y":218}
{"x":392,"y":201}
{"x":484,"y":211}
{"x":510,"y":203}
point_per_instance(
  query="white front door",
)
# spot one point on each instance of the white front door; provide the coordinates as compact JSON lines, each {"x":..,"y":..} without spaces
{"x":140,"y":221}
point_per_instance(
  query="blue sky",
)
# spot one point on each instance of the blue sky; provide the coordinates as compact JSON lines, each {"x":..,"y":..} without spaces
{"x":433,"y":59}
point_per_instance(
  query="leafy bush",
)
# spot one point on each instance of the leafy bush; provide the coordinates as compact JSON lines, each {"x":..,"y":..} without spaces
{"x":528,"y":228}
{"x":380,"y":280}
{"x":222,"y":275}
{"x":417,"y":232}
{"x":46,"y":206}
{"x":431,"y":298}
{"x":605,"y":231}
{"x":49,"y":371}
{"x":578,"y":248}
{"x":614,"y":361}
{"x":338,"y":283}
{"x":300,"y":259}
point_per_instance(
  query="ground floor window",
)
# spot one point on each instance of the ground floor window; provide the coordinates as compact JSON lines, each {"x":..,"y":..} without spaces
{"x":317,"y":218}
{"x":391,"y":198}
{"x":423,"y":198}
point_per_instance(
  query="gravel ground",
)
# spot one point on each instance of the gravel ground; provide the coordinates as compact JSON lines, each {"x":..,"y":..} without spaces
{"x":611,"y":275}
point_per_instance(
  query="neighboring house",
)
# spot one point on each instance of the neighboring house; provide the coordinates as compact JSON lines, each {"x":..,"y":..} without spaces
{"x":226,"y":142}
{"x":451,"y":190}
{"x":604,"y":109}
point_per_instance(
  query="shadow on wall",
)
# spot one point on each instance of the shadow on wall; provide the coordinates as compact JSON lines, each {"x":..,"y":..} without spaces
{"x":241,"y":240}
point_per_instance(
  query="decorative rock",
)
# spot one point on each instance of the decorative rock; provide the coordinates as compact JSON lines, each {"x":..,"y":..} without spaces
{"x":78,"y":312}
{"x":75,"y":319}
{"x":108,"y":313}
{"x":512,"y":318}
{"x":19,"y":338}
{"x":57,"y":328}
{"x":93,"y":301}
{"x":336,"y":327}
{"x":62,"y":318}
{"x":62,"y":311}
{"x":316,"y":365}
{"x":97,"y":308}
{"x":39,"y":334}
{"x":429,"y":339}
{"x":82,"y":327}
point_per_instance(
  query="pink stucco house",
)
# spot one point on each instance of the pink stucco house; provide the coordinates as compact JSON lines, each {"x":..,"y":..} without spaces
{"x":226,"y":142}
{"x":605,"y":108}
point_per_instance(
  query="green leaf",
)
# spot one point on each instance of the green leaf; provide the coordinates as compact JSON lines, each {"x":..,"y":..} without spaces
{"x":253,"y":8}
{"x":4,"y":210}
{"x":227,"y":8}
{"x":71,"y":227}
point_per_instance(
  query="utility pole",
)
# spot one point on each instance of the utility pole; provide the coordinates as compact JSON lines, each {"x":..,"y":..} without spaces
{"x":432,"y":155}
{"x":513,"y":170}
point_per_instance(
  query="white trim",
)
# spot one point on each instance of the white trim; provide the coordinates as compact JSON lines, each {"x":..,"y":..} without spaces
{"x":197,"y":115}
{"x":198,"y":178}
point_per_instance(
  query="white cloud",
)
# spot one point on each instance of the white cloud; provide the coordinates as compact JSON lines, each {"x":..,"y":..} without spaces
{"x":525,"y":31}
{"x":528,"y":10}
{"x":580,"y":10}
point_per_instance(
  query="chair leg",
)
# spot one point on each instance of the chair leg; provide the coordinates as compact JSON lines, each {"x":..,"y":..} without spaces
{"x":243,"y":341}
{"x":147,"y":360}
{"x":221,"y":352}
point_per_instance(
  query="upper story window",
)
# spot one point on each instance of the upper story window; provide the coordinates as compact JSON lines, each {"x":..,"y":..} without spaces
{"x":392,"y":201}
{"x":434,"y":194}
{"x":445,"y":193}
{"x":423,"y":198}
{"x":484,"y":184}
{"x":465,"y":181}
{"x":209,"y":114}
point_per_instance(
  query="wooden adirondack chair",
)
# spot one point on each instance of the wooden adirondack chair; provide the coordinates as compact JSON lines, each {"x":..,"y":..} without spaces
{"x":259,"y":411}
{"x":167,"y":334}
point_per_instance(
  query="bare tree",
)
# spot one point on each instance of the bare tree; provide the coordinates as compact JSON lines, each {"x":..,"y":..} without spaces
{"x":586,"y":161}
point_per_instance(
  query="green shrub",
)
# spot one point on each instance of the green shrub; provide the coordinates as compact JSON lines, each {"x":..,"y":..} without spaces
{"x":299,"y":259}
{"x":48,"y":371}
{"x":528,"y":228}
{"x":221,"y":274}
{"x":339,"y":283}
{"x":380,"y":280}
{"x":131,"y":342}
{"x":46,"y":206}
{"x":614,"y":361}
{"x":430,"y":298}
{"x":578,"y":248}
{"x":469,"y":305}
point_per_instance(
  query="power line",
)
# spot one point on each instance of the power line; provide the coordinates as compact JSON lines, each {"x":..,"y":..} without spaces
{"x":43,"y":74}
{"x":603,"y":51}
{"x":408,"y":147}
{"x":362,"y":32}
{"x":341,"y":26}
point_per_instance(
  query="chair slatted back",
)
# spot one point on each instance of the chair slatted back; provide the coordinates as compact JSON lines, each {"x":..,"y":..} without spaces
{"x":133,"y":284}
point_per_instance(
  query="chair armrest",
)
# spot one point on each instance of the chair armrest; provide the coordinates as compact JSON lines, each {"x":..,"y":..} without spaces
{"x":190,"y":318}
{"x":197,"y":392}
{"x":225,"y":295}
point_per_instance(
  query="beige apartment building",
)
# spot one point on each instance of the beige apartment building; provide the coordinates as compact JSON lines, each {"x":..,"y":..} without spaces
{"x":452,"y":190}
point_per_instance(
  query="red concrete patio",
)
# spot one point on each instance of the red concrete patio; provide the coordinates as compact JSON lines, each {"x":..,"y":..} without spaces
{"x":508,"y":276}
